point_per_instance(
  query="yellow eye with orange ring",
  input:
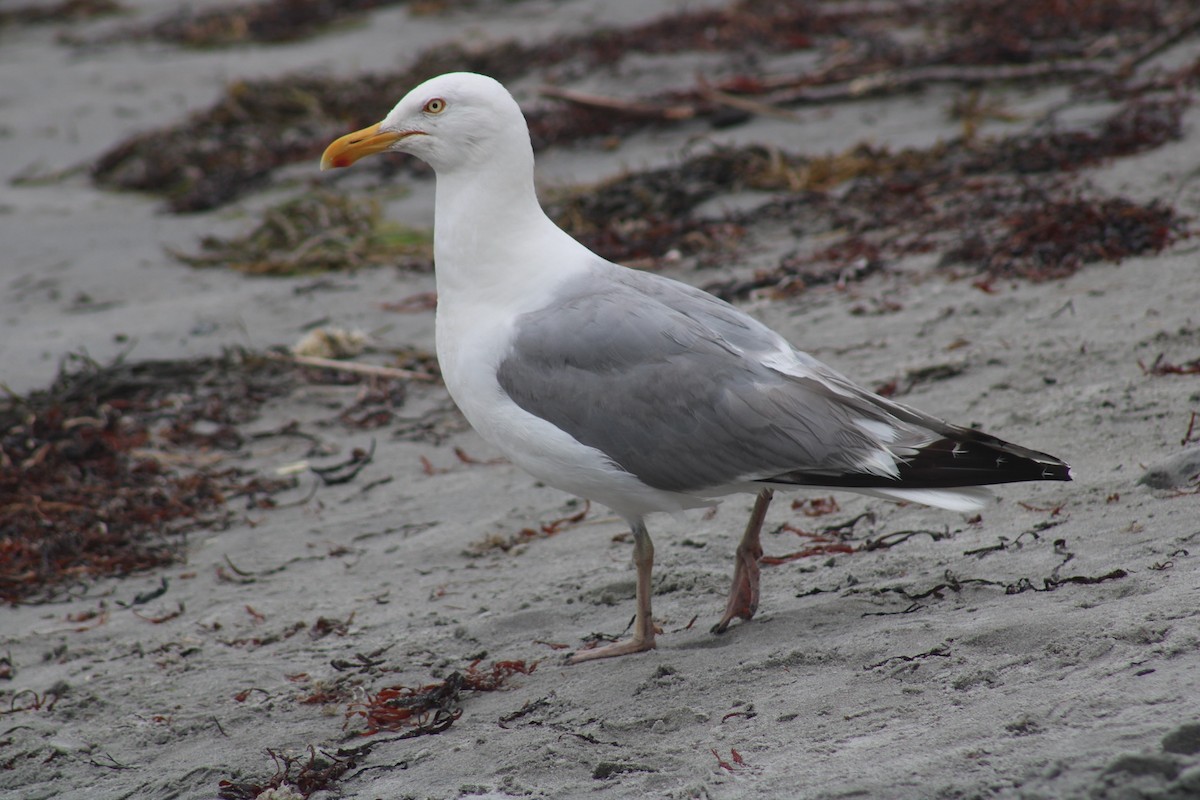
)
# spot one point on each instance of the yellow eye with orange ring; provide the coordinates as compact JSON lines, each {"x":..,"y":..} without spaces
{"x":435,"y":106}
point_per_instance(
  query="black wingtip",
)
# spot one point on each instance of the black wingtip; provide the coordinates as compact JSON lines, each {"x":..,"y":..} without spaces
{"x":971,"y":458}
{"x":962,"y":458}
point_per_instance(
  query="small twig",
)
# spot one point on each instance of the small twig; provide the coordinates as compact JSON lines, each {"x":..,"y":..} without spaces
{"x":302,"y":501}
{"x":893,"y":80}
{"x":528,"y":708}
{"x":289,"y":428}
{"x":375,"y":483}
{"x":983,"y":551}
{"x":112,"y":763}
{"x":938,"y":652}
{"x":145,"y":597}
{"x":1155,"y":45}
{"x":632,"y":108}
{"x":347,"y":470}
{"x":1163,"y":367}
{"x":1187,"y":437}
{"x":421,"y":301}
{"x":896,"y":537}
{"x":721,"y":763}
{"x":466,"y":458}
{"x":741,"y":103}
{"x":259,"y":574}
{"x":170,"y":615}
{"x":375,"y":370}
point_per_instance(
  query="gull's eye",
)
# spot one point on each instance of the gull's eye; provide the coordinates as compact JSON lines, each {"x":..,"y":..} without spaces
{"x":435,"y":106}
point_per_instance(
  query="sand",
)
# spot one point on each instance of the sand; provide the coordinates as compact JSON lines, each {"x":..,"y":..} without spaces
{"x":860,"y":677}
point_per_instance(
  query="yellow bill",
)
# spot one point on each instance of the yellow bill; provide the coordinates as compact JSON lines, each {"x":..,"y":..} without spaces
{"x":350,"y":148}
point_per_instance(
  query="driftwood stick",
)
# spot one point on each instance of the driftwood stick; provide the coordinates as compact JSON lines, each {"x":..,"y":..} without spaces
{"x":375,"y":370}
{"x":780,"y":91}
{"x":1155,"y":45}
{"x":894,"y":80}
{"x":743,"y":103}
{"x":633,"y":108}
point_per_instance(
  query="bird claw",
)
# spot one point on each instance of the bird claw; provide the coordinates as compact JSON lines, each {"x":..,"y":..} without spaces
{"x":622,"y":648}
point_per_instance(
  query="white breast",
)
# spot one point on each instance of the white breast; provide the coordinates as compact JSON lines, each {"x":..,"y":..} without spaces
{"x":472,"y":339}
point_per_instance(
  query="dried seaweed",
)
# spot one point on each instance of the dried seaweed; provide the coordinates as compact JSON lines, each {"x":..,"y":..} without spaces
{"x":64,"y":10}
{"x":302,"y":777}
{"x":1023,"y":31}
{"x":544,"y":530}
{"x":434,"y":707}
{"x":1001,"y":207}
{"x":952,"y":583}
{"x":1137,"y":126}
{"x":219,"y":154}
{"x":265,"y":21}
{"x":770,"y":25}
{"x":643,"y":215}
{"x":85,"y":487}
{"x":317,"y":232}
{"x":1160,"y":366}
{"x":1006,"y":207}
{"x":1046,"y":237}
{"x":411,"y":711}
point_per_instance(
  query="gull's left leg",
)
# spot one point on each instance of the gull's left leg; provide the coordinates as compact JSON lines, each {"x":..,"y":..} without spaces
{"x":643,"y":624}
{"x":743,"y":594}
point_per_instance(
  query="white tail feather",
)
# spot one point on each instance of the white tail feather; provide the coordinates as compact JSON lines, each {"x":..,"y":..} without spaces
{"x":966,"y":498}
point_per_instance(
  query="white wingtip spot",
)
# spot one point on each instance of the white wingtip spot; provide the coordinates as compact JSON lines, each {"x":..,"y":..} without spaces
{"x":964,"y":499}
{"x":880,"y":462}
{"x":880,"y":431}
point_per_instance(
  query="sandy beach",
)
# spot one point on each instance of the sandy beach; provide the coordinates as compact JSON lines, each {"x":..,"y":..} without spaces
{"x":1048,"y":647}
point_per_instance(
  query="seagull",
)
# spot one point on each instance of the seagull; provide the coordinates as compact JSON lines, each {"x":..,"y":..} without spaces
{"x":636,"y":391}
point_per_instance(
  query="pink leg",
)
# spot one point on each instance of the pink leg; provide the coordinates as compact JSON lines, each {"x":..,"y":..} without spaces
{"x":643,"y":626}
{"x":743,"y":594}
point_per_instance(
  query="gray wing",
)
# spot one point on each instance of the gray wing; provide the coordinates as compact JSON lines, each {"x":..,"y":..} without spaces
{"x":669,"y":382}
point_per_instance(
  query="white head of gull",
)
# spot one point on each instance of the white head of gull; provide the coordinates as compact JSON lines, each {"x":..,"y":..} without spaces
{"x":636,"y":391}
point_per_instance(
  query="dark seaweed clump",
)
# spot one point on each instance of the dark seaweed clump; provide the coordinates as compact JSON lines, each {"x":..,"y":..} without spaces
{"x":217,"y":155}
{"x":87,"y":488}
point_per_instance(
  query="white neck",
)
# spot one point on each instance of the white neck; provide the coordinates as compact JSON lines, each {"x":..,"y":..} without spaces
{"x":491,"y":237}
